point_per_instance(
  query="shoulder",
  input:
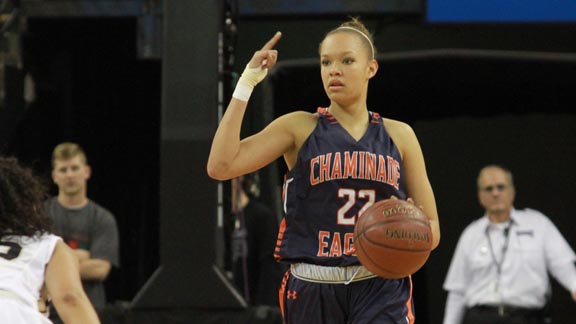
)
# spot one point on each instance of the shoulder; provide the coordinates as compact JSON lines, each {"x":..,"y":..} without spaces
{"x":475,"y":228}
{"x":291,"y":123}
{"x":50,"y":239}
{"x":45,"y":241}
{"x":101,"y":211}
{"x":98,"y":207}
{"x":398,"y":129}
{"x":529,"y":212}
{"x":298,"y":118}
{"x":401,"y":133}
{"x":298,"y":123}
{"x":530,"y":216}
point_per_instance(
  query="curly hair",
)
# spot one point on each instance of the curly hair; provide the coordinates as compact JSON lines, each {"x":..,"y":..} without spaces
{"x":21,"y":196}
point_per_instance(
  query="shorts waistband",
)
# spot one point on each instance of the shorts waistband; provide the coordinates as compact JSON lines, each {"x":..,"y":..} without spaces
{"x":324,"y":274}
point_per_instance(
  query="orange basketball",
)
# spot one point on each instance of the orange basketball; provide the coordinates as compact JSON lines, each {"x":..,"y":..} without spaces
{"x":393,"y":238}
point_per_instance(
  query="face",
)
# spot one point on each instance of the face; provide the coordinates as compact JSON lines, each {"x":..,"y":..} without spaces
{"x":495,"y":191}
{"x":346,"y":67}
{"x":71,"y":175}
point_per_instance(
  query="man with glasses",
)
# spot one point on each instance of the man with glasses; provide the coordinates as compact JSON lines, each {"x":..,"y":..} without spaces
{"x":499,"y":271}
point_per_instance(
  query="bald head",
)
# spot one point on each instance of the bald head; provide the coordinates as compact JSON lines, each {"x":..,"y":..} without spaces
{"x":496,"y":192}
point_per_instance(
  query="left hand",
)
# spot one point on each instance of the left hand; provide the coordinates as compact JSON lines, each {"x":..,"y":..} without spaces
{"x":410,"y":200}
{"x":44,"y":302}
{"x":81,"y":254}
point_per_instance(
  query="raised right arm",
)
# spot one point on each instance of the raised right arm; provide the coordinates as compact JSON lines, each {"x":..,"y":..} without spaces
{"x":230,"y":156}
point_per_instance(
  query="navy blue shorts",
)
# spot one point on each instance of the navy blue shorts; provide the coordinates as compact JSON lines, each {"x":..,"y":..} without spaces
{"x":369,"y":301}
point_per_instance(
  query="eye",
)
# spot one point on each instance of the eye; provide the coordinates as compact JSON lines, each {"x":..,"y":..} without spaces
{"x":348,"y":60}
{"x":324,"y":62}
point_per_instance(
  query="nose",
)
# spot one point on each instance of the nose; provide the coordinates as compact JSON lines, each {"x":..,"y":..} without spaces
{"x":335,"y":69}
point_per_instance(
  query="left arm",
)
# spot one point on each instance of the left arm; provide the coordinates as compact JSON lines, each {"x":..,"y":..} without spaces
{"x":92,"y":269}
{"x":559,"y":257}
{"x":104,"y":249}
{"x":418,"y":186}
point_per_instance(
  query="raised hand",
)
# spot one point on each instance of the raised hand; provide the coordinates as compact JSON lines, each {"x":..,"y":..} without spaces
{"x":257,"y":68}
{"x":267,"y":56}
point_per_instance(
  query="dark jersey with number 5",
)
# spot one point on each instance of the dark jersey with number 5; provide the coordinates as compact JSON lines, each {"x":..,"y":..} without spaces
{"x":335,"y":179}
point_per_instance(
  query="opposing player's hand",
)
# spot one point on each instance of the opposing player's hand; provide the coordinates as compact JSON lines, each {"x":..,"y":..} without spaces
{"x":267,"y":56}
{"x":44,"y":302}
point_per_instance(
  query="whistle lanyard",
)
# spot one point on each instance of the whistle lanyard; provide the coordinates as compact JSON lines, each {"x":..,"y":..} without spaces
{"x":495,"y":261}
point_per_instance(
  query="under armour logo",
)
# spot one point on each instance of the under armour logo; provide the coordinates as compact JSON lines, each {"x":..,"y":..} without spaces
{"x":291,"y":294}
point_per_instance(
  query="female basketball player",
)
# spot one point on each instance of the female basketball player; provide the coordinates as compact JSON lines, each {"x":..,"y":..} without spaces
{"x":30,"y":257}
{"x":341,"y":160}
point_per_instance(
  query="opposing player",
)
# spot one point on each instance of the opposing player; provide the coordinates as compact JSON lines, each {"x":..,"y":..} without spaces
{"x":341,"y":160}
{"x":31,"y":257}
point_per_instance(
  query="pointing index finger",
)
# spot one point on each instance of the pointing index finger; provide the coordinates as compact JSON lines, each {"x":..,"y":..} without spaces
{"x":272,"y":42}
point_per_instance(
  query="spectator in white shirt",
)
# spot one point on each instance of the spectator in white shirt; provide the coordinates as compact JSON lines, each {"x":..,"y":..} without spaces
{"x":499,"y":271}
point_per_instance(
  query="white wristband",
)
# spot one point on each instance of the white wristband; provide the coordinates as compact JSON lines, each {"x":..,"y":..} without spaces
{"x":252,"y":76}
{"x":242,"y":91}
{"x":248,"y":80}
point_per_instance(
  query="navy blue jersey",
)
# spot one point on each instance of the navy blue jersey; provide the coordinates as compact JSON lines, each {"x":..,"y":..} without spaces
{"x":334,"y":180}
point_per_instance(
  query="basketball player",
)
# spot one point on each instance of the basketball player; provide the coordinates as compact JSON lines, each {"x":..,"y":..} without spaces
{"x":341,"y":160}
{"x":31,"y":257}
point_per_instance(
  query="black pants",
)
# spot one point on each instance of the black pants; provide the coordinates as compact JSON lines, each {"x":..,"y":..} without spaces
{"x":505,"y":315}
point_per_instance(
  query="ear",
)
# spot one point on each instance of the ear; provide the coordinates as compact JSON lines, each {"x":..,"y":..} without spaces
{"x":53,"y":175}
{"x":372,"y":68}
{"x":88,"y":171}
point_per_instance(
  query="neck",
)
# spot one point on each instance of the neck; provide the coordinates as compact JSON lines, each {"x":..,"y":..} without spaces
{"x":349,"y":112}
{"x":499,"y":217}
{"x":72,"y":201}
{"x":350,"y":106}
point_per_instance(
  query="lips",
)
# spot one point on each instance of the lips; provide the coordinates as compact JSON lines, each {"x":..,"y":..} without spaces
{"x":335,"y":84}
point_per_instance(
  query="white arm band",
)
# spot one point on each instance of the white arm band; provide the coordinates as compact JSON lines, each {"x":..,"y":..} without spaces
{"x":248,"y":80}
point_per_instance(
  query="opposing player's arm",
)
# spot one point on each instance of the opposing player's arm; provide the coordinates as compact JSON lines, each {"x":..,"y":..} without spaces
{"x":65,"y":288}
{"x":418,"y":186}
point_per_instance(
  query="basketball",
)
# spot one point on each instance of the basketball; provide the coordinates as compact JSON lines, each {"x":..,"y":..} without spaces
{"x":393,"y":238}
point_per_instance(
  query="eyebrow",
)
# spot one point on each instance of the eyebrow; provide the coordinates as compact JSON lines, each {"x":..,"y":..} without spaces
{"x":342,"y":53}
